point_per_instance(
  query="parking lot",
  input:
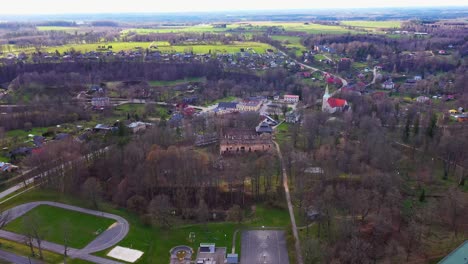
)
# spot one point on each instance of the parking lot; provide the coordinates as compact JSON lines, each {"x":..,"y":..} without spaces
{"x":264,"y":247}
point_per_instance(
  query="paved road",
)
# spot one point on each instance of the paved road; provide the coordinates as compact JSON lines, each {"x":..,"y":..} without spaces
{"x":107,"y":239}
{"x":13,"y":258}
{"x":264,"y":247}
{"x":290,"y":207}
{"x":30,"y":181}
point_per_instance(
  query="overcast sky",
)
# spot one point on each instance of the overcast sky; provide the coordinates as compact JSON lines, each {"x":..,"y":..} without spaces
{"x":130,"y":6}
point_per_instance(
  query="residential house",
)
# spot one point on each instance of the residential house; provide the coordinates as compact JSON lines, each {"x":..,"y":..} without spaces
{"x":423,"y":99}
{"x":291,"y":99}
{"x":263,"y":127}
{"x":100,"y":102}
{"x":292,"y":117}
{"x":389,"y":84}
{"x":7,"y":167}
{"x":136,"y":127}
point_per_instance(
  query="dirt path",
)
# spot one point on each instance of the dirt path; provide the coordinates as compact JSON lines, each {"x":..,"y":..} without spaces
{"x":297,"y":243}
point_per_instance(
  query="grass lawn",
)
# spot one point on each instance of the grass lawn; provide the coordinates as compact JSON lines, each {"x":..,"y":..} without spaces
{"x":37,"y":131}
{"x":225,"y":99}
{"x":156,"y":242}
{"x":23,"y":250}
{"x":82,"y":227}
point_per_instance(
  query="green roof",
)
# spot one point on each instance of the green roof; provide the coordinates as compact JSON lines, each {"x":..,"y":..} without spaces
{"x":458,"y":256}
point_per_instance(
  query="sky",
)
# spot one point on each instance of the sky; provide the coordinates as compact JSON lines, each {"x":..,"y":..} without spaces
{"x":11,"y":7}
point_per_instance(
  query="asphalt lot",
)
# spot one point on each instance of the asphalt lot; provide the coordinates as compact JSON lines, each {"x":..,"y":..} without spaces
{"x":264,"y":247}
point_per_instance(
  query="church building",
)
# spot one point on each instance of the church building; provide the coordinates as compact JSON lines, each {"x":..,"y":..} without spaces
{"x":332,"y":105}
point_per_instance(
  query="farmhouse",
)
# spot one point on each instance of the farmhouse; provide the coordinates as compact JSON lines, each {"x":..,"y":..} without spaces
{"x":292,"y":99}
{"x":238,"y":141}
{"x":226,"y":107}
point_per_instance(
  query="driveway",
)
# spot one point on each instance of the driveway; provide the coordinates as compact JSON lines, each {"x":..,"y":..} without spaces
{"x":105,"y":240}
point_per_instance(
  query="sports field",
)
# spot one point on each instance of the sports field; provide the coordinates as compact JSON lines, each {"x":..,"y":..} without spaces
{"x":54,"y":222}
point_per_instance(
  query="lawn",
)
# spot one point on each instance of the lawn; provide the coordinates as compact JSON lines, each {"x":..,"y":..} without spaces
{"x":372,"y":24}
{"x":225,"y":99}
{"x":156,"y":242}
{"x":82,"y":228}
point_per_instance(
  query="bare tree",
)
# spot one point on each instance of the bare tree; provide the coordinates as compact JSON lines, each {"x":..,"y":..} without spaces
{"x":34,"y":233}
{"x":160,"y":209}
{"x":92,"y":191}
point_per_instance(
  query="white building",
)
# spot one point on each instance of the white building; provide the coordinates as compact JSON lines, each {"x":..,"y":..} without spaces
{"x":290,"y":98}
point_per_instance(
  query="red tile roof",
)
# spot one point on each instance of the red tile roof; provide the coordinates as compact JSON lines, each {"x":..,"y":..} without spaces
{"x":335,"y":102}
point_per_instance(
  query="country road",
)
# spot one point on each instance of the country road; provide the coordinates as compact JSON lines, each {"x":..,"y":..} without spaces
{"x":297,"y":243}
{"x":105,"y":240}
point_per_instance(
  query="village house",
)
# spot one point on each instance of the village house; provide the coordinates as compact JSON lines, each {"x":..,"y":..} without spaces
{"x":7,"y":167}
{"x":291,"y":99}
{"x":292,"y":117}
{"x":238,"y":141}
{"x":100,"y":102}
{"x":423,"y":99}
{"x":389,"y":84}
{"x":263,"y":127}
{"x":136,"y":127}
{"x":332,"y":105}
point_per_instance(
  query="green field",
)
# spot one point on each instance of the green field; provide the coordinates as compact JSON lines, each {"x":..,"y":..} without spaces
{"x":291,"y":42}
{"x":372,"y":24}
{"x":54,"y":28}
{"x":162,"y":46}
{"x":52,"y":220}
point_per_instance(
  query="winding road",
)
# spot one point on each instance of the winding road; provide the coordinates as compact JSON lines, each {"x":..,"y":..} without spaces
{"x":113,"y":235}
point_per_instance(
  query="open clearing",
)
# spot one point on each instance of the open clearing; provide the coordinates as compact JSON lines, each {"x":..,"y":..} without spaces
{"x":82,"y":228}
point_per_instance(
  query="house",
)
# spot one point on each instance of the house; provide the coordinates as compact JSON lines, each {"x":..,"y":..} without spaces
{"x":332,"y":105}
{"x":263,"y":127}
{"x":136,"y":127}
{"x":457,"y":256}
{"x":418,"y":78}
{"x":61,"y":136}
{"x":38,"y":140}
{"x":238,"y":141}
{"x":100,"y":102}
{"x":388,"y":85}
{"x":292,"y":117}
{"x":423,"y":99}
{"x":208,"y":253}
{"x":103,"y":128}
{"x":291,"y":99}
{"x":249,"y":105}
{"x":304,"y":74}
{"x":7,"y":167}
